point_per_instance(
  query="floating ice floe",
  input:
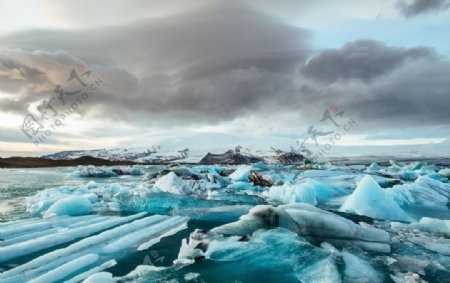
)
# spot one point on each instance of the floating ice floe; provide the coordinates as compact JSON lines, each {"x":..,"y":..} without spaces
{"x":241,"y":173}
{"x":173,"y":184}
{"x":92,"y":254}
{"x":67,"y":199}
{"x":92,"y":172}
{"x":314,"y":224}
{"x":374,"y":167}
{"x":293,"y":193}
{"x":99,"y":277}
{"x":278,"y":249}
{"x":445,"y":172}
{"x":431,"y":225}
{"x":359,"y":270}
{"x":134,"y":170}
{"x":424,"y":191}
{"x":371,"y":200}
{"x":73,"y":206}
{"x":307,"y":191}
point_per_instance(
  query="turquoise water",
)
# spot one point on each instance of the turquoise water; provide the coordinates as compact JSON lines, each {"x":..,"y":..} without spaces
{"x":17,"y":184}
{"x":274,"y":260}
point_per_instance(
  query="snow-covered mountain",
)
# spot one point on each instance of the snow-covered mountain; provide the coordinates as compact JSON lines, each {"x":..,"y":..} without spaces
{"x":158,"y":154}
{"x":151,"y":154}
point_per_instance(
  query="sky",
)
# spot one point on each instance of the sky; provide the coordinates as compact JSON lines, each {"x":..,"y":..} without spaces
{"x":358,"y":76}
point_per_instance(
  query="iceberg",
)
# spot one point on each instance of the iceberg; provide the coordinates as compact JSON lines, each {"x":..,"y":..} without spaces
{"x":371,"y":200}
{"x":92,"y":172}
{"x":173,"y":184}
{"x":445,"y":172}
{"x":129,"y":170}
{"x":293,"y":193}
{"x":374,"y":167}
{"x":358,"y":270}
{"x":100,"y":277}
{"x":73,"y":206}
{"x":278,"y":249}
{"x":408,"y":175}
{"x":312,"y":223}
{"x":431,"y":225}
{"x":436,"y":226}
{"x":241,"y":173}
{"x":424,"y":191}
{"x":99,"y":195}
{"x":307,"y":191}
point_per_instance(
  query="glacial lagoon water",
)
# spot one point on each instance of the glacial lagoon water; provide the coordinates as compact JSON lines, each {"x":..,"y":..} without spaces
{"x":328,"y":223}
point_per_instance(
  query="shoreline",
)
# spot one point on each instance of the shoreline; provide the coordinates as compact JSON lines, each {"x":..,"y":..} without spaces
{"x":39,"y":162}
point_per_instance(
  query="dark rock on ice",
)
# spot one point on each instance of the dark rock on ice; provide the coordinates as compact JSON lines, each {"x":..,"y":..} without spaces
{"x":118,"y":171}
{"x":353,"y":217}
{"x":226,"y":172}
{"x":259,"y":180}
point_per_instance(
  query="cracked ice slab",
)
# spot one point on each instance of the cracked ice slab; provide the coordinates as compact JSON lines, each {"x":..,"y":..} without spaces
{"x":98,"y":250}
{"x":32,"y":245}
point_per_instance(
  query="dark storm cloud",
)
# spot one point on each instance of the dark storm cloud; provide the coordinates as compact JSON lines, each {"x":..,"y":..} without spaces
{"x":226,"y":60}
{"x":362,"y":60}
{"x":415,"y":94}
{"x":383,"y":86}
{"x":215,"y":62}
{"x":413,"y":8}
{"x":14,"y":75}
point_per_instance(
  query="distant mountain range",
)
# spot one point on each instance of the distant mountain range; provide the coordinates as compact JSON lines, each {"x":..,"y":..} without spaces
{"x":237,"y":155}
{"x":138,"y":155}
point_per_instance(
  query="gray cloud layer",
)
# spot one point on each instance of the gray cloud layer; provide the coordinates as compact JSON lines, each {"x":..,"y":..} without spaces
{"x":224,"y":61}
{"x":365,"y":60}
{"x":416,"y":7}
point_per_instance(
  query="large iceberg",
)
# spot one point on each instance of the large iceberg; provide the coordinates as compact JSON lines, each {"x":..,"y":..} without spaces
{"x":289,"y":258}
{"x":371,"y":200}
{"x":314,"y":224}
